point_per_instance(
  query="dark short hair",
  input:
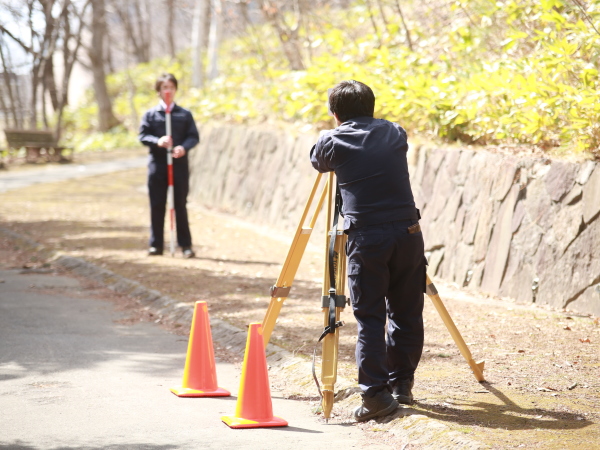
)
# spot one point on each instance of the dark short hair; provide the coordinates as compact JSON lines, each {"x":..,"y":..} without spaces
{"x":165,"y":77}
{"x":350,"y":99}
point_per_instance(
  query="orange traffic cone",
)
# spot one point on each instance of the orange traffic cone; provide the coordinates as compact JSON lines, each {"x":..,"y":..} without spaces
{"x":200,"y":374}
{"x":254,"y":408}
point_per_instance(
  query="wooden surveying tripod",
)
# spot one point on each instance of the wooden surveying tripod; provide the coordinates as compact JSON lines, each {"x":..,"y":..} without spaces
{"x":333,"y":289}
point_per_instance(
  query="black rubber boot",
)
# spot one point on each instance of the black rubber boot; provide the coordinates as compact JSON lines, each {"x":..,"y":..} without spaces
{"x":381,"y":405}
{"x":402,"y":391}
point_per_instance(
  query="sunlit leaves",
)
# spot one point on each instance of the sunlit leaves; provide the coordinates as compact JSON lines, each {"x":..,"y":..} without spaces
{"x":503,"y":72}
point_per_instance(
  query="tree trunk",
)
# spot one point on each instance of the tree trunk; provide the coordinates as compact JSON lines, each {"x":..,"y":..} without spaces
{"x":20,"y":106}
{"x":200,"y":30}
{"x":375,"y":28}
{"x":170,"y":5}
{"x":408,"y":39}
{"x":291,"y":49}
{"x":44,"y":111}
{"x":69,"y":56}
{"x":288,"y":36}
{"x":110,"y":58}
{"x":45,"y":72}
{"x":5,"y":112}
{"x":106,"y":118}
{"x":50,"y":83}
{"x":382,"y":12}
{"x":8,"y":91}
{"x":304,"y":21}
{"x":214,"y":39}
{"x":136,"y":24}
{"x":143,"y":28}
{"x":35,"y":81}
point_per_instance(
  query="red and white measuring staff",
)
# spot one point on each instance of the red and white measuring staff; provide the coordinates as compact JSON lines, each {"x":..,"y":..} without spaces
{"x":170,"y":192}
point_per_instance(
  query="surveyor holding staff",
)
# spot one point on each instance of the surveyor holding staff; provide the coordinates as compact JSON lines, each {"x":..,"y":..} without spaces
{"x":385,"y":250}
{"x":184,"y":137}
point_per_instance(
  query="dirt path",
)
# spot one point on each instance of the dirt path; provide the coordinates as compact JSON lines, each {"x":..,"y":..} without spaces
{"x":542,"y":366}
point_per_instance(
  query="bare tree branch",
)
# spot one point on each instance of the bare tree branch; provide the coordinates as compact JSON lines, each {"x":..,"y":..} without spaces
{"x":288,"y":36}
{"x":69,"y":55}
{"x":586,"y":15}
{"x":106,"y":118}
{"x":24,"y":46}
{"x":406,"y":30}
{"x":200,"y":30}
{"x":372,"y":17}
{"x":135,"y":28}
{"x":170,"y":5}
{"x":382,"y":12}
{"x":8,"y":87}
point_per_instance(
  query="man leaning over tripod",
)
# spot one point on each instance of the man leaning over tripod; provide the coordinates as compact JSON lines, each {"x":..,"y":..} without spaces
{"x":386,"y":262}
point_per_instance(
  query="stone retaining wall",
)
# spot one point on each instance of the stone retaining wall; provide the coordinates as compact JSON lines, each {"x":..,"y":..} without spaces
{"x":263,"y":175}
{"x":526,"y":228}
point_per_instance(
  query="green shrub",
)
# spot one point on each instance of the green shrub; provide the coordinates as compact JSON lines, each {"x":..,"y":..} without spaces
{"x":513,"y":72}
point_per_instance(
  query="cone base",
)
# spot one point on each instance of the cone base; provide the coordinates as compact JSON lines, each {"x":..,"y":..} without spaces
{"x":239,"y":422}
{"x":189,"y":392}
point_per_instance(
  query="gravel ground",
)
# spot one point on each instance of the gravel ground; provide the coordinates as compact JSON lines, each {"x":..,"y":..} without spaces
{"x":542,"y":370}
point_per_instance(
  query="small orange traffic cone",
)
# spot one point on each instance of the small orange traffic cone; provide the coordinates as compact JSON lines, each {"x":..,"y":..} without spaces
{"x":254,"y":408}
{"x":200,"y":374}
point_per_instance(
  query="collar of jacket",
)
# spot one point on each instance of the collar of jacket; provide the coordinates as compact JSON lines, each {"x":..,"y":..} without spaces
{"x":162,"y":106}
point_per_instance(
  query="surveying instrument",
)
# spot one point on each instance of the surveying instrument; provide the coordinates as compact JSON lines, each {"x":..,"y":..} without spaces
{"x":334,"y":278}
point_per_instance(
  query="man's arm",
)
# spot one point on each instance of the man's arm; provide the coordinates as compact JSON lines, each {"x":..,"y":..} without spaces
{"x":403,"y":134}
{"x":192,"y":137}
{"x":321,"y":154}
{"x":146,"y":135}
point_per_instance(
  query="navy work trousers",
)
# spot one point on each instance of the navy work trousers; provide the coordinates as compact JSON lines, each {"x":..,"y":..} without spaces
{"x":386,"y":279}
{"x":157,"y":188}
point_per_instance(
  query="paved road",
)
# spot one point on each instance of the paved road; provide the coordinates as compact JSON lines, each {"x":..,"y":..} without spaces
{"x":48,"y":174}
{"x":73,"y":377}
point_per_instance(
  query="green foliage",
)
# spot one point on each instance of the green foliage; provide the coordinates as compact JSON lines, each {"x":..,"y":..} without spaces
{"x":118,"y":137}
{"x":511,"y":72}
{"x":133,"y":93}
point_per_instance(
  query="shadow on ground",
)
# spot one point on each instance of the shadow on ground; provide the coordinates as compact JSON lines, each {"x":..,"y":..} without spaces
{"x":508,"y":415}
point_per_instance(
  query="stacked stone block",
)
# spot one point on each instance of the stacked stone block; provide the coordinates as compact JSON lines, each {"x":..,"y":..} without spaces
{"x":262,"y":175}
{"x":525,"y":228}
{"x":521,"y":227}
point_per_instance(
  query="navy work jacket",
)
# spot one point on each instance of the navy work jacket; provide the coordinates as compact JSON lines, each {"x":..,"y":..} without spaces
{"x":183,"y":130}
{"x":368,"y":157}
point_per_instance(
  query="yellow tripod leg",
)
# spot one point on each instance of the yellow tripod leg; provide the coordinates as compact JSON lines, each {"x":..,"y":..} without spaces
{"x":281,"y":289}
{"x":329,"y":364}
{"x":331,"y":340}
{"x":477,"y":368}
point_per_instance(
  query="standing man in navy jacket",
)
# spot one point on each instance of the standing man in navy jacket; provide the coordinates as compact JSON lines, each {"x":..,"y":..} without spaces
{"x":184,"y":138}
{"x":386,"y":262}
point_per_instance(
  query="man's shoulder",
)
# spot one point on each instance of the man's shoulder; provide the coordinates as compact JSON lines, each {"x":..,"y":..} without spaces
{"x":365,"y":123}
{"x":153,"y":111}
{"x":325,"y":137}
{"x":383,"y":123}
{"x":386,"y":123}
{"x":181,"y":110}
